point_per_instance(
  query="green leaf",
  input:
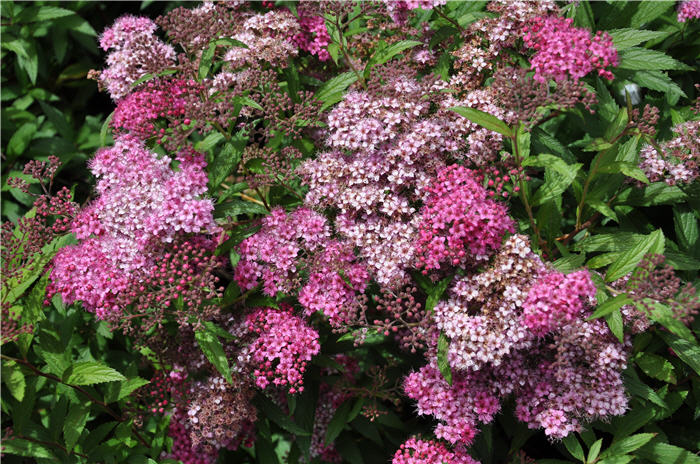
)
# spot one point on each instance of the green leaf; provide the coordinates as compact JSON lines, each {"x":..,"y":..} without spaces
{"x":226,"y":160}
{"x":275,"y":414}
{"x":610,"y":305}
{"x":237,"y":206}
{"x":594,"y":451}
{"x":663,"y":453}
{"x":337,"y":423}
{"x":442,"y":358}
{"x":58,"y":120}
{"x":686,"y":226}
{"x":642,"y":59}
{"x":622,"y":426}
{"x":628,"y":169}
{"x":657,"y":80}
{"x":614,"y":321}
{"x":653,"y":243}
{"x":648,"y":11}
{"x":603,"y":209}
{"x":664,"y":315}
{"x":20,"y":139}
{"x":205,"y":61}
{"x":569,"y":263}
{"x":435,"y":293}
{"x":333,"y":90}
{"x":125,"y":389}
{"x":688,"y":352}
{"x":573,"y":446}
{"x":627,"y":445}
{"x":484,"y":119}
{"x":148,"y":76}
{"x":626,"y":38}
{"x":656,"y":367}
{"x":385,"y":54}
{"x":26,"y":448}
{"x":14,"y":379}
{"x":265,"y":451}
{"x":75,"y":423}
{"x":46,"y":12}
{"x":90,"y":372}
{"x":636,"y":387}
{"x":214,"y":351}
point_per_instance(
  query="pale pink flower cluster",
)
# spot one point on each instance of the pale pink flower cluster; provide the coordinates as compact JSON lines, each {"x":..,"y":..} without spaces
{"x":268,"y":38}
{"x":143,"y":204}
{"x":679,"y":162}
{"x":136,"y":51}
{"x":300,"y":241}
{"x":460,"y":224}
{"x":560,"y":381}
{"x":562,"y":50}
{"x":313,"y":36}
{"x":284,"y":345}
{"x":417,"y":451}
{"x":398,"y":9}
{"x":689,"y":9}
{"x":386,"y":146}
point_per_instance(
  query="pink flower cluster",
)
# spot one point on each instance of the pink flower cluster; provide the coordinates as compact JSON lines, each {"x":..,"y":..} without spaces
{"x":398,"y":9}
{"x":417,"y":451}
{"x":313,"y":37}
{"x":459,"y":223}
{"x":267,"y":38}
{"x":136,"y":51}
{"x":689,"y":9}
{"x":559,"y":381}
{"x":143,"y":204}
{"x":284,"y":345}
{"x":562,"y":50}
{"x":300,"y":241}
{"x":556,"y":300}
{"x":679,"y":162}
{"x":138,"y":111}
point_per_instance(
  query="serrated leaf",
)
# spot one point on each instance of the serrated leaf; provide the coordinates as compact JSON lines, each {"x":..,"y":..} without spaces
{"x":657,"y":80}
{"x":435,"y":293}
{"x":603,"y":209}
{"x":387,"y":53}
{"x":636,"y":387}
{"x":626,"y":38}
{"x":75,"y":423}
{"x":653,"y":243}
{"x":686,"y":226}
{"x":26,"y":448}
{"x":610,"y":305}
{"x":688,"y":352}
{"x":333,"y":90}
{"x":569,"y":263}
{"x":647,"y":11}
{"x":337,"y":423}
{"x":664,"y":315}
{"x":628,"y":169}
{"x":573,"y":446}
{"x":20,"y":139}
{"x":484,"y":119}
{"x":442,"y":358}
{"x":594,"y":451}
{"x":642,"y":59}
{"x":664,"y":453}
{"x":237,"y":206}
{"x":226,"y":160}
{"x":275,"y":414}
{"x":656,"y":367}
{"x":614,"y":321}
{"x":91,"y":372}
{"x":126,"y":388}
{"x":214,"y":351}
{"x":627,"y":445}
{"x":58,"y":120}
{"x":14,"y":379}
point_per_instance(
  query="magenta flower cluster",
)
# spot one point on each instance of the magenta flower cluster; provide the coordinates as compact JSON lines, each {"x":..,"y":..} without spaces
{"x":562,"y":50}
{"x":688,"y":9}
{"x":418,"y":451}
{"x":313,"y":36}
{"x":459,"y":223}
{"x":284,"y":345}
{"x":557,"y":300}
{"x":288,"y":244}
{"x":143,"y":205}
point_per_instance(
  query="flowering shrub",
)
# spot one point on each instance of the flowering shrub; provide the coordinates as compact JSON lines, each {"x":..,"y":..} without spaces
{"x":417,"y":231}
